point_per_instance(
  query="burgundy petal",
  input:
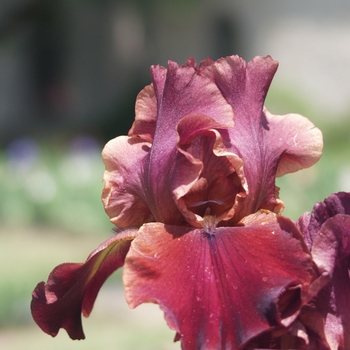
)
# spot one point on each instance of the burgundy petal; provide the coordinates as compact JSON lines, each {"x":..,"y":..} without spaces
{"x":305,"y":335}
{"x":331,"y":253}
{"x":180,"y":92}
{"x":186,"y":102}
{"x":268,"y":145}
{"x":327,"y":233}
{"x":303,"y":225}
{"x":336,"y":203}
{"x":313,"y":322}
{"x":220,"y":289}
{"x":72,"y":288}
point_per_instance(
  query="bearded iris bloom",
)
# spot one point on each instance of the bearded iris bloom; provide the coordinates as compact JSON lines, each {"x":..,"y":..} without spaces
{"x":324,"y":320}
{"x":192,"y":193}
{"x":327,"y":234}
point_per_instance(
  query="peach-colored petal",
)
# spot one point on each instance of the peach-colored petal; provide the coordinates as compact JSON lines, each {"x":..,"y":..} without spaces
{"x":296,"y":138}
{"x":124,"y":196}
{"x":145,"y":114}
{"x":207,"y":177}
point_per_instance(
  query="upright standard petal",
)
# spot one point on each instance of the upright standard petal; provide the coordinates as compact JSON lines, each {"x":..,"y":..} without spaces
{"x":72,"y":288}
{"x":220,"y":289}
{"x":181,"y":92}
{"x":264,"y":143}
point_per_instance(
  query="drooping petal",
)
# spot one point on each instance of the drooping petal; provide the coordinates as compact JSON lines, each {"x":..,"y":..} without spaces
{"x":218,"y":290}
{"x":124,"y":196}
{"x":72,"y":288}
{"x":305,"y":335}
{"x":266,"y":146}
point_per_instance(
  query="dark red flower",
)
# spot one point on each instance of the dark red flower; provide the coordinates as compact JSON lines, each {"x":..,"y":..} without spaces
{"x":324,"y":319}
{"x":327,"y":232}
{"x":193,"y":186}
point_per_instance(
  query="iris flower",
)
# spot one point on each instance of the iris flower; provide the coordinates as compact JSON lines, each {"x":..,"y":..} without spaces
{"x":324,"y":319}
{"x":327,"y":234}
{"x":191,"y":191}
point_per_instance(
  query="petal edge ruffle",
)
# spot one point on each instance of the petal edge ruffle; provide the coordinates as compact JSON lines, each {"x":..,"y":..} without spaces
{"x":176,"y":267}
{"x":124,"y":195}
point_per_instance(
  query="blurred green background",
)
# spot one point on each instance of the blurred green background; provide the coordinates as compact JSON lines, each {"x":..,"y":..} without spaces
{"x":69,"y":75}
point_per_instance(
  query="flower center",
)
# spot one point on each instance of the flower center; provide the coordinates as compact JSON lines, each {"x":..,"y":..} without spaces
{"x":209,"y":224}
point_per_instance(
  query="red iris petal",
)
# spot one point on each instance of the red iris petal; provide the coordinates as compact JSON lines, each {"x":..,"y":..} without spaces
{"x":219,"y":290}
{"x":331,"y":253}
{"x":72,"y":288}
{"x":269,"y":145}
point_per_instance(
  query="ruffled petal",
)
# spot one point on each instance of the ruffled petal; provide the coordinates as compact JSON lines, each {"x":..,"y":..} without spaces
{"x":207,"y":177}
{"x":181,"y":92}
{"x":268,"y":145}
{"x":296,"y":140}
{"x":72,"y":288}
{"x":331,"y":253}
{"x":336,"y":203}
{"x":245,"y":87}
{"x":303,"y":224}
{"x":327,"y":233}
{"x":220,"y":289}
{"x":124,"y":196}
{"x":307,"y":332}
{"x":305,"y":335}
{"x":145,"y":114}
